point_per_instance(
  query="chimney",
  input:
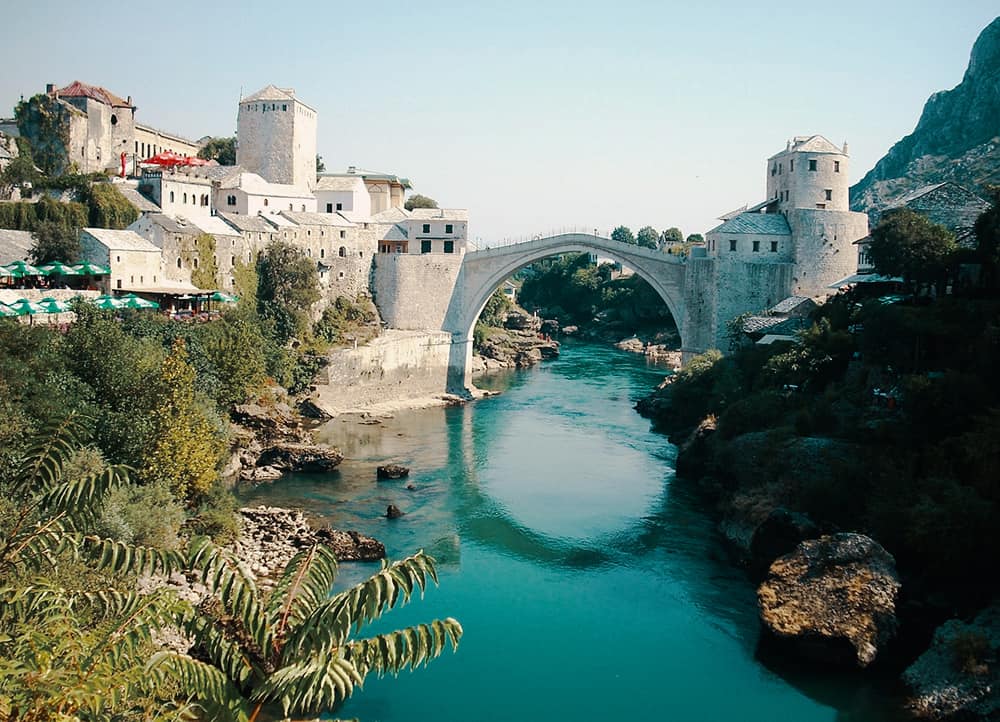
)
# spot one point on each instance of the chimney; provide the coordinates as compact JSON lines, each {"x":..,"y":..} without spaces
{"x":50,"y":88}
{"x":845,"y":147}
{"x":351,"y":170}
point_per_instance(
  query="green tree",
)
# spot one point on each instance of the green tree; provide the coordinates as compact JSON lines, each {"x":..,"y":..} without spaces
{"x":108,"y":207}
{"x":905,"y":243}
{"x":19,"y":174}
{"x":419,"y":201}
{"x":320,"y":165}
{"x":296,"y":649}
{"x":206,"y":275}
{"x":695,"y":238}
{"x":288,"y":285}
{"x":55,"y":242}
{"x":623,"y":234}
{"x":184,"y":452}
{"x":221,"y":150}
{"x":235,"y":347}
{"x":647,"y":237}
{"x":671,"y":236}
{"x":496,"y":308}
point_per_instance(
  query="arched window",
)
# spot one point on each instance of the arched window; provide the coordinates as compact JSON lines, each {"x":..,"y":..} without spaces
{"x":171,"y":196}
{"x":265,"y":202}
{"x":185,"y":197}
{"x":178,"y":262}
{"x":342,"y":252}
{"x":322,"y":253}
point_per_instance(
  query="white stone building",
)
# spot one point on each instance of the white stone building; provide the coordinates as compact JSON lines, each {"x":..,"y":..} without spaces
{"x":276,"y":137}
{"x":135,"y":263}
{"x":178,"y":194}
{"x":246,"y":193}
{"x":429,"y":230}
{"x":342,"y":193}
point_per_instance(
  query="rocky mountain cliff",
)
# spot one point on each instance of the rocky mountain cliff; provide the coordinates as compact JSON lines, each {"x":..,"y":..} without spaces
{"x":957,"y":138}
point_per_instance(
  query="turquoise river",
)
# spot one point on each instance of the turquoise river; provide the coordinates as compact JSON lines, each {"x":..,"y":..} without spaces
{"x":591,"y":586}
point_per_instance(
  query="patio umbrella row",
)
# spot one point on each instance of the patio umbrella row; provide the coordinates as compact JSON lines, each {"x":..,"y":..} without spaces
{"x":24,"y":307}
{"x":21,"y":269}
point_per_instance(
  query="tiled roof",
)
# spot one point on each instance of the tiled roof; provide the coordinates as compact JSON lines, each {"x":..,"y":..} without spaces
{"x":137,"y":199}
{"x":443,"y":214}
{"x":394,"y":232}
{"x":121,"y":240}
{"x":391,"y":215}
{"x":792,"y":304}
{"x":271,"y":92}
{"x":317,"y":219}
{"x":374,"y":175}
{"x":774,"y":324}
{"x":338,"y":182}
{"x":14,"y":245}
{"x":247,"y":223}
{"x":215,"y":226}
{"x":255,"y":185}
{"x":76,"y":89}
{"x":173,"y":225}
{"x":814,"y":144}
{"x":769,"y":224}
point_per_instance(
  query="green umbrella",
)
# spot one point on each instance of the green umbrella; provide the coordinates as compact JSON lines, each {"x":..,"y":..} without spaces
{"x":91,"y":269}
{"x":53,"y":305}
{"x":57,"y":268}
{"x":106,"y":302}
{"x":7,"y":312}
{"x":223,"y":297}
{"x":25,"y":307}
{"x":133,"y":301}
{"x":22,"y":268}
{"x":4,"y":273}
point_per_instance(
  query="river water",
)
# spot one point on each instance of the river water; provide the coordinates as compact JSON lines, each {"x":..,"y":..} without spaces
{"x":590,"y":586}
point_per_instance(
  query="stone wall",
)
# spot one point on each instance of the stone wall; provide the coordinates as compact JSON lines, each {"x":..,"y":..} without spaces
{"x":395,"y":366}
{"x":743,"y":287}
{"x":824,"y":248}
{"x":413,"y":292}
{"x":699,"y":306}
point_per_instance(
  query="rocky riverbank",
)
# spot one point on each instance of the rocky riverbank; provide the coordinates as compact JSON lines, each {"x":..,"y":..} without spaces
{"x":524,"y":341}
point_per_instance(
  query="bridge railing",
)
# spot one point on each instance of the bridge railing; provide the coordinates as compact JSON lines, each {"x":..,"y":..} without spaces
{"x":482,"y":244}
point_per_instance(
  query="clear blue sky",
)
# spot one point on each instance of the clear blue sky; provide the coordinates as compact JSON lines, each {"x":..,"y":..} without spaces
{"x":533,"y":115}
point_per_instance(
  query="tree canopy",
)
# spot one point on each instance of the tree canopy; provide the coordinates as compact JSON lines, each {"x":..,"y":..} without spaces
{"x":419,"y":201}
{"x":647,"y":237}
{"x":221,"y":150}
{"x":671,"y":236}
{"x":695,"y":238}
{"x":987,"y":230}
{"x":905,"y":243}
{"x":54,"y":241}
{"x":623,"y":234}
{"x":288,"y":284}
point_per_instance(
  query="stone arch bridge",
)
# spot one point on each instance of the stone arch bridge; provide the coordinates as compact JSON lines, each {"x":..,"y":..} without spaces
{"x":482,"y":271}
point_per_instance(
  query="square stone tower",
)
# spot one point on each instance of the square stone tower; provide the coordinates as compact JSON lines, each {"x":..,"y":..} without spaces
{"x":276,"y":137}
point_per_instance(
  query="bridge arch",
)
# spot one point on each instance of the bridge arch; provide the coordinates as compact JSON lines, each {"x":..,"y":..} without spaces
{"x":484,"y":270}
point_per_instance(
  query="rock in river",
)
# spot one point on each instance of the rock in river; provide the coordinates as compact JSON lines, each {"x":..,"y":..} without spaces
{"x":393,"y":512}
{"x":834,"y":598}
{"x":292,"y":456}
{"x":392,"y":471}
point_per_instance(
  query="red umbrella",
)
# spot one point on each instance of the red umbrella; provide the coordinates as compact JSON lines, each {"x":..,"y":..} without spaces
{"x":166,"y":158}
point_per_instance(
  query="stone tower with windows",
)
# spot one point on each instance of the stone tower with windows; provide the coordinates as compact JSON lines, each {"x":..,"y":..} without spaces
{"x":276,"y":137}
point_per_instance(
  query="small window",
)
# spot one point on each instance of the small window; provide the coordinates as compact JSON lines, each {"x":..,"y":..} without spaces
{"x":291,"y":207}
{"x":774,"y":246}
{"x":118,"y":283}
{"x":756,"y":246}
{"x":449,"y":246}
{"x":118,"y":259}
{"x":732,"y":244}
{"x":427,"y":228}
{"x":836,"y":166}
{"x":340,"y":275}
{"x":171,"y":196}
{"x":342,"y":252}
{"x":340,"y":206}
{"x":821,"y":206}
{"x":265,"y":202}
{"x":284,"y":107}
{"x":425,"y":246}
{"x":195,"y":262}
{"x":303,"y":207}
{"x":322,"y":253}
{"x":329,"y":208}
{"x":343,"y":234}
{"x":448,"y":228}
{"x":178,"y":262}
{"x":232,"y":261}
{"x":780,"y":168}
{"x":774,"y":169}
{"x":185,"y":197}
{"x":829,"y":194}
{"x":812,"y":165}
{"x":791,"y":165}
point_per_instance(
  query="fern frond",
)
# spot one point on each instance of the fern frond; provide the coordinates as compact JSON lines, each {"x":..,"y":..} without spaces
{"x":312,"y":686}
{"x":82,"y":498}
{"x":41,"y":543}
{"x":217,"y":696}
{"x":117,"y":557}
{"x":226,"y":652}
{"x":330,"y":623}
{"x":137,"y":615}
{"x":41,"y":466}
{"x":411,"y":647}
{"x":230,"y":582}
{"x":305,"y":582}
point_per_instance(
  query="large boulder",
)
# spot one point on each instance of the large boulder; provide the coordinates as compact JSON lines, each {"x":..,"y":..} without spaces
{"x":522,"y":321}
{"x":294,"y":456}
{"x":392,"y":471}
{"x":958,"y":677}
{"x":833,"y":598}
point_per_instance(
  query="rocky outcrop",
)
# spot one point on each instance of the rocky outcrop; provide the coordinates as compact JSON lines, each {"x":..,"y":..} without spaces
{"x":832,"y":599}
{"x":289,"y":456}
{"x":271,"y":536}
{"x":779,"y":534}
{"x":391,"y":471}
{"x":958,"y":677}
{"x":957,"y":138}
{"x":514,"y":349}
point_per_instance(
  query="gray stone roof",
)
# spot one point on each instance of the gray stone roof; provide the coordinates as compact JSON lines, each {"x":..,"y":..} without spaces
{"x":173,"y":225}
{"x":441,"y":214}
{"x":121,"y":240}
{"x":768,"y":224}
{"x":774,"y":325}
{"x":247,"y":223}
{"x":14,"y":246}
{"x":793,"y":306}
{"x":810,"y":144}
{"x":317,"y":219}
{"x":216,"y":173}
{"x":337,"y":182}
{"x":137,"y":199}
{"x":391,"y":215}
{"x":271,"y":92}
